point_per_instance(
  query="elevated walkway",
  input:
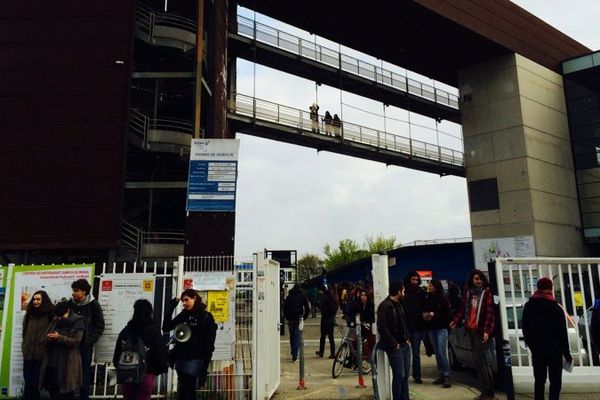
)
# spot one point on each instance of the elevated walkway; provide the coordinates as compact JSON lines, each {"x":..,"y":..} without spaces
{"x":286,"y":124}
{"x":283,"y":51}
{"x":171,"y":135}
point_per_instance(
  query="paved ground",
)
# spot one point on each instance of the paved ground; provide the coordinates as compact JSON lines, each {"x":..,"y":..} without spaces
{"x":320,"y":384}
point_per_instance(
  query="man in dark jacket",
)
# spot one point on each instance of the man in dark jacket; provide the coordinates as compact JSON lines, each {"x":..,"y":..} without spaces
{"x":414,"y":303}
{"x":545,"y":333}
{"x":83,"y":303}
{"x":394,"y":339}
{"x":295,"y":307}
{"x":329,"y":308}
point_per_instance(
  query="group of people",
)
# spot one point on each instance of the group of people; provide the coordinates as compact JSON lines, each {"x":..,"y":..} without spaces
{"x":332,"y":125}
{"x":58,"y":342}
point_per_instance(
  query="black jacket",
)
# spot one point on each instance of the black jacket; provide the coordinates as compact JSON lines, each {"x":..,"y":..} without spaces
{"x":328,"y":306}
{"x":367,"y":313}
{"x":544,"y":327}
{"x":414,"y":303}
{"x":156,"y":356}
{"x":204,"y":333}
{"x":295,"y":306}
{"x":440,"y":306}
{"x":391,"y":325}
{"x":91,"y":311}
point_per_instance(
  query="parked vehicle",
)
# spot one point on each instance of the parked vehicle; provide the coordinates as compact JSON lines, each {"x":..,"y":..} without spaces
{"x":460,"y":353}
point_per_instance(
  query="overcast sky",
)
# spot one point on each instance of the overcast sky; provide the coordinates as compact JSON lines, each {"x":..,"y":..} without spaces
{"x":291,"y":197}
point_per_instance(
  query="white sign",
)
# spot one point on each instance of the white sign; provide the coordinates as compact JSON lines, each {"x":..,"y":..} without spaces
{"x":55,"y":282}
{"x":117,"y":294}
{"x":217,"y":288}
{"x":486,"y":250}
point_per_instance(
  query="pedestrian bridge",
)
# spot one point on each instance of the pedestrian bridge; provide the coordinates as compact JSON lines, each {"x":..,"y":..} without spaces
{"x":263,"y":44}
{"x":274,"y":121}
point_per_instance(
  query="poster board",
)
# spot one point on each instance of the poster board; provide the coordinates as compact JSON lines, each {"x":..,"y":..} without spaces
{"x":116,"y":296}
{"x":22,"y":282}
{"x":486,"y":250}
{"x":217,"y":290}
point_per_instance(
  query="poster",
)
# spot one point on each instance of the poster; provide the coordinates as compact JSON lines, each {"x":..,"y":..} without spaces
{"x":116,"y":296}
{"x":507,"y":247}
{"x":23,"y":282}
{"x":212,"y":175}
{"x":217,"y":290}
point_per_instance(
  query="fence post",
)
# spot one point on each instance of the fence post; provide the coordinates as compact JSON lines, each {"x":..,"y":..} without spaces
{"x":503,"y":356}
{"x":358,"y":357}
{"x":301,"y":383}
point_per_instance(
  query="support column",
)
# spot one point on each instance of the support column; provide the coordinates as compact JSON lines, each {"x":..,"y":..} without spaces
{"x":518,"y":158}
{"x":212,"y":233}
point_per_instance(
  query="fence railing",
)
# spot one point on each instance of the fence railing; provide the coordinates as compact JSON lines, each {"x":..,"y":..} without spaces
{"x":305,"y":48}
{"x":146,"y":20}
{"x":301,"y":120}
{"x":134,"y":237}
{"x":140,"y":124}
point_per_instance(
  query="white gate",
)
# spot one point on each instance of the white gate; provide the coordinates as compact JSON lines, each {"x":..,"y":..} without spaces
{"x":266,"y":363}
{"x":576,"y":286}
{"x":101,"y":385}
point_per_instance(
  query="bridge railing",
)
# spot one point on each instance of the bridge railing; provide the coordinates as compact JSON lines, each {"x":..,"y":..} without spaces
{"x":263,"y":33}
{"x":299,"y":119}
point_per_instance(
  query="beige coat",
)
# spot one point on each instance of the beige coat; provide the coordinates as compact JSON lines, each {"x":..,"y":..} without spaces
{"x":73,"y":379}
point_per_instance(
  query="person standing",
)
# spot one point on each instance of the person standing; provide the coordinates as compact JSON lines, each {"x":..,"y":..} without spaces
{"x":477,"y":311}
{"x":38,"y":317}
{"x":363,"y":305}
{"x":414,"y":302}
{"x":193,"y":356}
{"x":61,"y":371}
{"x":394,"y":339}
{"x":295,"y":307}
{"x":142,"y":326}
{"x":329,"y":307}
{"x":545,"y":333}
{"x":437,"y":317}
{"x":314,"y":117}
{"x":83,"y":303}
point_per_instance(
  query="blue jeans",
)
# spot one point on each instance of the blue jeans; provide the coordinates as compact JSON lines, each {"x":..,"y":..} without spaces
{"x":31,"y":376}
{"x":439,"y":341}
{"x":416,"y":337}
{"x":400,"y":364}
{"x":86,"y":371}
{"x":294,"y":337}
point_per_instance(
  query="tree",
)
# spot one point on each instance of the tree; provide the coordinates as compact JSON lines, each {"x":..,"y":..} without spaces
{"x":379,"y":244}
{"x":347,"y":251}
{"x":309,"y":266}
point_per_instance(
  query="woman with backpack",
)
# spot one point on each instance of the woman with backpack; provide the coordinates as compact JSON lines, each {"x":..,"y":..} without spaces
{"x":191,"y":356}
{"x":140,"y":339}
{"x":38,"y":317}
{"x":61,"y":371}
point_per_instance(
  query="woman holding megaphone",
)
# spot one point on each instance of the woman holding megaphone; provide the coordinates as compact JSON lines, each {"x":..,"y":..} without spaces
{"x":195,"y":342}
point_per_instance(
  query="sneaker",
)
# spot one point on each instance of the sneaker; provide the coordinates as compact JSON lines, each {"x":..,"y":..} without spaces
{"x":331,"y":356}
{"x":294,"y":359}
{"x":319,"y":354}
{"x":447,"y":383}
{"x":439,"y":381}
{"x":418,"y":381}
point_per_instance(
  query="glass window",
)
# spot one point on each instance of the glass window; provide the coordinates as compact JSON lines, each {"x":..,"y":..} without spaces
{"x":483,"y":195}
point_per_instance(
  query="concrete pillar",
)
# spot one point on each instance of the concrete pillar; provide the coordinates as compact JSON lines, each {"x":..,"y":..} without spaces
{"x":515,"y":130}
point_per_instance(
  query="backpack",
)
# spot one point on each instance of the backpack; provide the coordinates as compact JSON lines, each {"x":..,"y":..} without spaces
{"x":132,"y":363}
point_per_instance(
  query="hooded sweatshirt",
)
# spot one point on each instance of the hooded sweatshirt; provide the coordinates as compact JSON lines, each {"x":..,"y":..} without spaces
{"x":90,"y":309}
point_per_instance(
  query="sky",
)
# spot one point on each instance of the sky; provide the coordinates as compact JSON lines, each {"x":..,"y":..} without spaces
{"x":295,"y":198}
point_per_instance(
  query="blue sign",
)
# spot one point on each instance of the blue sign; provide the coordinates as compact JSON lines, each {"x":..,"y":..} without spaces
{"x":212,"y":175}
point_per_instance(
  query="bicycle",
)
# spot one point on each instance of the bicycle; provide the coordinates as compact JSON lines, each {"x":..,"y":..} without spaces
{"x":345,"y":356}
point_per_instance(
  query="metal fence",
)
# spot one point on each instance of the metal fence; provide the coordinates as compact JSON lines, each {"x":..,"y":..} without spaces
{"x":163,"y":292}
{"x":231,"y":379}
{"x":576,"y":287}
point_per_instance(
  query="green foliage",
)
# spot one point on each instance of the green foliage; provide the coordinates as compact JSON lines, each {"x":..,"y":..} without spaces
{"x":309,"y":266}
{"x":348,"y":250}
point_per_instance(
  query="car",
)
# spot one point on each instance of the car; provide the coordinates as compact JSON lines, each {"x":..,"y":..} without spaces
{"x":460,"y":353}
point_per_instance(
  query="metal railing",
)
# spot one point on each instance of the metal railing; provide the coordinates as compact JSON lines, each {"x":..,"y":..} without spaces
{"x":299,"y":119}
{"x":437,"y":241}
{"x":134,"y":237}
{"x":146,"y":19}
{"x":140,"y":124}
{"x":296,"y":45}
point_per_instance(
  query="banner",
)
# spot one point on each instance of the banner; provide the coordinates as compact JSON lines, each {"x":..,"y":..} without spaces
{"x":486,"y":250}
{"x":117,"y":294}
{"x":217,"y":290}
{"x":212,"y":175}
{"x":23,"y":282}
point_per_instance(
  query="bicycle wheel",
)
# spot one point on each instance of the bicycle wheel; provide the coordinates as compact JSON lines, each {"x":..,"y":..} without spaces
{"x":340,"y":359}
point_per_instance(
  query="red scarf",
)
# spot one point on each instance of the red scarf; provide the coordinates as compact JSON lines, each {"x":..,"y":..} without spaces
{"x":541,"y":295}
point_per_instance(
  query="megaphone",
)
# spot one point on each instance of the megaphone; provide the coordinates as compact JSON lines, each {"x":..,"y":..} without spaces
{"x":182,"y":332}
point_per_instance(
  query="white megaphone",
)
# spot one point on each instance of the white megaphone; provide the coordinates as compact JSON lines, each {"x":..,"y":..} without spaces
{"x":182,"y":332}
